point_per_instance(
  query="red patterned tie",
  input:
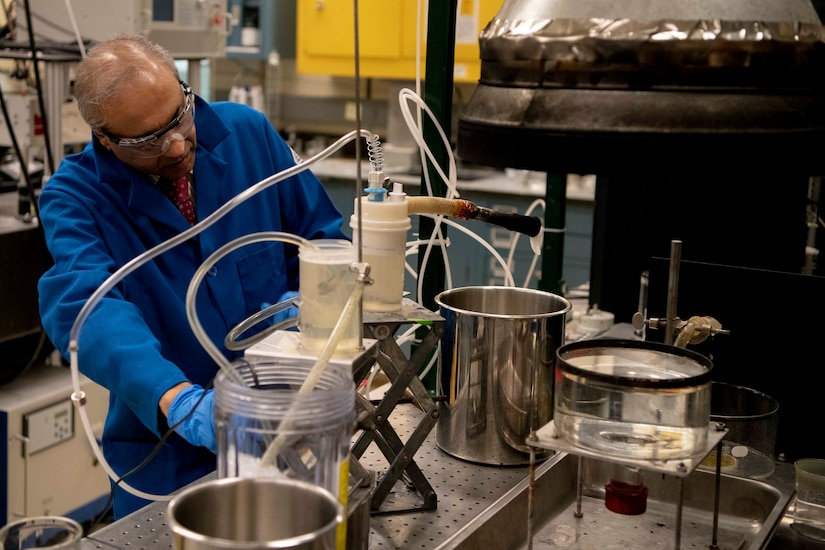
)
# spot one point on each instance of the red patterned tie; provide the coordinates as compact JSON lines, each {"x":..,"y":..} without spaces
{"x":179,"y":194}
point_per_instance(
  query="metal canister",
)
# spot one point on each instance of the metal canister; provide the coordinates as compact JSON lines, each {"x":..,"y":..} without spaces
{"x":253,"y":514}
{"x":496,"y":370}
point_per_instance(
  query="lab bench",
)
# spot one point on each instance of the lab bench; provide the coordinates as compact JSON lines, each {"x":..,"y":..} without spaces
{"x":464,"y":491}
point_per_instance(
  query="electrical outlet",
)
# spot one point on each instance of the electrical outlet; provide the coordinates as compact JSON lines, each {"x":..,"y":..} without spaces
{"x":48,"y":426}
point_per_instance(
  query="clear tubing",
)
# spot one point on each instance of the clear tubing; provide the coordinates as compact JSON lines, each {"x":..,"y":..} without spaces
{"x":200,"y":273}
{"x":350,"y":308}
{"x":231,"y":342}
{"x":79,"y":396}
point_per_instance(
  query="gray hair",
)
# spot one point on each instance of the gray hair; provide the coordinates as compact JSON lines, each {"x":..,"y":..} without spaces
{"x":111,"y":66}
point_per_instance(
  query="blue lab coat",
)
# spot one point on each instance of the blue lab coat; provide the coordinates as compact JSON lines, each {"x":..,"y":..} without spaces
{"x":99,"y":214}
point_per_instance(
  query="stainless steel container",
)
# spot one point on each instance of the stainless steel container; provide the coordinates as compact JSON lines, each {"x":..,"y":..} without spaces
{"x":255,"y":513}
{"x":633,"y":399}
{"x":496,"y":370}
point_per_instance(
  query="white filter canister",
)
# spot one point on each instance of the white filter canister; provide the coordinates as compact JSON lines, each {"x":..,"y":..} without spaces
{"x":384,"y":225}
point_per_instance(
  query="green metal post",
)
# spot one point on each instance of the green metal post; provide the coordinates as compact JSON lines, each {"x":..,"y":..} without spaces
{"x":552,"y":253}
{"x":438,"y":95}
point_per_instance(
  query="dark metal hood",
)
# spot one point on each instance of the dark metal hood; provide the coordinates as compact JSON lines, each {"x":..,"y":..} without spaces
{"x":608,"y":87}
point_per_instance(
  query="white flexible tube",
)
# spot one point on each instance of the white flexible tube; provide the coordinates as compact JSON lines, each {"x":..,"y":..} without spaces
{"x":436,"y":238}
{"x":79,"y":396}
{"x":404,"y":97}
{"x":514,"y":242}
{"x":412,"y":250}
{"x":79,"y":401}
{"x":78,"y":37}
{"x":508,"y":276}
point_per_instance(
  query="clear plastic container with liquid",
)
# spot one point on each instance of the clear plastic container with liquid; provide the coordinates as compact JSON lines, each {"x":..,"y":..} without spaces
{"x":274,"y":426}
{"x":633,"y":399}
{"x":327,"y":280}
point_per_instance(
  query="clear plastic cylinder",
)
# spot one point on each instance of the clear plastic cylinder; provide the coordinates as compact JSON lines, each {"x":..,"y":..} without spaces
{"x":54,"y":532}
{"x":326,"y":281}
{"x":633,"y":399}
{"x":270,"y":427}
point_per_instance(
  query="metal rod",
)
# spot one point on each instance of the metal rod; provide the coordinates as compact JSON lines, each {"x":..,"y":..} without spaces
{"x":714,"y":545}
{"x":579,"y":482}
{"x":358,"y":183}
{"x":672,"y":289}
{"x":530,"y":490}
{"x":678,"y":543}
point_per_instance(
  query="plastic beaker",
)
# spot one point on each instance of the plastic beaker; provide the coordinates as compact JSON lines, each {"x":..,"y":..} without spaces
{"x":278,"y":426}
{"x":326,"y":282}
{"x":751,"y":418}
{"x":809,"y":511}
{"x":57,"y":533}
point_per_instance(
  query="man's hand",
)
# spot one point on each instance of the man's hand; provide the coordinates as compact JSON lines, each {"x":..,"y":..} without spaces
{"x":190,"y":413}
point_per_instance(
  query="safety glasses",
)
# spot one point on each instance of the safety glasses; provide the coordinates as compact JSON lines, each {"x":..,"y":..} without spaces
{"x":157,"y":143}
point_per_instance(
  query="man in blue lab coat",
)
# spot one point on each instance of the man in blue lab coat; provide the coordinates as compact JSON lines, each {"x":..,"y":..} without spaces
{"x":106,"y":205}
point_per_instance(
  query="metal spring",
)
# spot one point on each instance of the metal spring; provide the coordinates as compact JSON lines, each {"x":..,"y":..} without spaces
{"x":375,"y":153}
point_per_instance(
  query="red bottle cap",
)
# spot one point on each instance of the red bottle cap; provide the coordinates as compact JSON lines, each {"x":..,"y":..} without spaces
{"x":625,"y":498}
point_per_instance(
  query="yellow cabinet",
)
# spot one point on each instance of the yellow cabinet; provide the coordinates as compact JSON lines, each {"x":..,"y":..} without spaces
{"x":387,"y":37}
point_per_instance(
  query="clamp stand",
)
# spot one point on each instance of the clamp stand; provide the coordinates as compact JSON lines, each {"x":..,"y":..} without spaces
{"x":678,"y":333}
{"x":374,"y":420}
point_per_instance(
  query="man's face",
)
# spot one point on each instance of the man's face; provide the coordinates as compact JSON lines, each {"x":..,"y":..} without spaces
{"x":151,"y":127}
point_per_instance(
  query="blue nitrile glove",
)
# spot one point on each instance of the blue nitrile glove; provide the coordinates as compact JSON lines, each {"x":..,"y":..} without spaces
{"x":198,"y":428}
{"x":290,"y":312}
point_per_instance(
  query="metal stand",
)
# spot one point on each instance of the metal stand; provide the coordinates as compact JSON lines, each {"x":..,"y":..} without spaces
{"x":374,"y":420}
{"x":548,"y":438}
